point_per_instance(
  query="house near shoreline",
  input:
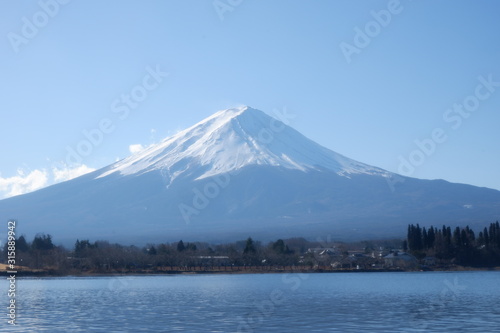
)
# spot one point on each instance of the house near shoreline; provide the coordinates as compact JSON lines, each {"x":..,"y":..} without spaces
{"x":324,"y":251}
{"x":401,"y":260}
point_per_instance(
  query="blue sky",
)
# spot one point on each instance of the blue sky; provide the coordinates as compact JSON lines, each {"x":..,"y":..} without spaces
{"x":367,"y":79}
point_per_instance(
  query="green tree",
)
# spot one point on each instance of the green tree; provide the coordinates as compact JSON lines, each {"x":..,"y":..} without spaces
{"x":425,"y":238}
{"x":279,"y":246}
{"x":431,"y":237}
{"x":414,"y":238}
{"x":83,"y":247}
{"x":180,"y":246}
{"x":486,"y":236}
{"x":42,"y":242}
{"x":457,"y":238}
{"x":249,"y":247}
{"x":22,"y":245}
{"x":152,"y":250}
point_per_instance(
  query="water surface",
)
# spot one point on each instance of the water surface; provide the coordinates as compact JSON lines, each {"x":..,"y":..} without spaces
{"x":329,"y":302}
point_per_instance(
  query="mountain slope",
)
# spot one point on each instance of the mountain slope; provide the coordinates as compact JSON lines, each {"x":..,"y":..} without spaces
{"x":237,"y":173}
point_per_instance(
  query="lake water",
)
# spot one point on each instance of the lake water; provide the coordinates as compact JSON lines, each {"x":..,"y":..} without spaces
{"x":328,"y":302}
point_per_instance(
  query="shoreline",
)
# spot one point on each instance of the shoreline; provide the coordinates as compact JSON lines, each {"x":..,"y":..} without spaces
{"x":239,"y":270}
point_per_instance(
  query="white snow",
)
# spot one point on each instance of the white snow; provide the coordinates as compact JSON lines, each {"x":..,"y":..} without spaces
{"x":232,"y":139}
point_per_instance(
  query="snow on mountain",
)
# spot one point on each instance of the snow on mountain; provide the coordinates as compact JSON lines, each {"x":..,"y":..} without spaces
{"x":232,"y":139}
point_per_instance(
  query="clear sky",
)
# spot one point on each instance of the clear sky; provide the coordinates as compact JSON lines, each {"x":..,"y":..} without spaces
{"x":363,"y":78}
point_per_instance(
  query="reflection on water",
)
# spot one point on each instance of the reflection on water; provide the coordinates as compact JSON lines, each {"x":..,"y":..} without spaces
{"x":333,"y":302}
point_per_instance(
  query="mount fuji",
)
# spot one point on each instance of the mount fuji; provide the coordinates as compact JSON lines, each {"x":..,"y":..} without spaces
{"x":240,"y":173}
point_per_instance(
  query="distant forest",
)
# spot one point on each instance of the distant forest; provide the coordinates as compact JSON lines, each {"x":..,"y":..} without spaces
{"x":447,"y":247}
{"x":460,"y":245}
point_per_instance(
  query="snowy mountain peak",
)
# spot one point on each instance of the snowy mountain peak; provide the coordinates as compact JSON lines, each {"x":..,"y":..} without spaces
{"x":232,"y":139}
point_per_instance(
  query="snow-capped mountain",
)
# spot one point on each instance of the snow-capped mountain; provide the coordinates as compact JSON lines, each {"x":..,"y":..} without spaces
{"x":240,"y":173}
{"x":233,"y":139}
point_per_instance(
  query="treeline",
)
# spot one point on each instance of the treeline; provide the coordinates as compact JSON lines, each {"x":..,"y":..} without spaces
{"x":38,"y":253}
{"x":102,"y":256}
{"x":459,"y":245}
